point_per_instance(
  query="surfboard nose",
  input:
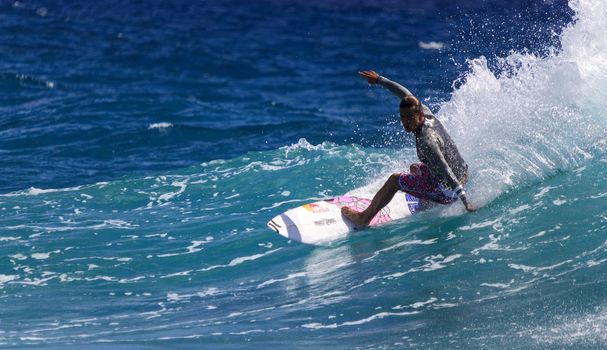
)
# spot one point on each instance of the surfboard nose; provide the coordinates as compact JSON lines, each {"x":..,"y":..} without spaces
{"x":286,"y":227}
{"x":277,"y":224}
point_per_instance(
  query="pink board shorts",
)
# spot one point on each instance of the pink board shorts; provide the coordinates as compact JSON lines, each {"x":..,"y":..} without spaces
{"x":420,"y":183}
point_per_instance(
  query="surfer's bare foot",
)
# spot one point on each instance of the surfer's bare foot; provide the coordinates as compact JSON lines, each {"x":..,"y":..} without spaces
{"x":356,"y":218}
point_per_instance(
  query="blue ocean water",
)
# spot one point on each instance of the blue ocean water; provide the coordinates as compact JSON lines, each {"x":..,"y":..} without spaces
{"x":146,"y":144}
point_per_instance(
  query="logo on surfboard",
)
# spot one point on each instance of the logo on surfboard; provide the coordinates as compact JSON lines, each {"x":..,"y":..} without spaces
{"x":315,"y":208}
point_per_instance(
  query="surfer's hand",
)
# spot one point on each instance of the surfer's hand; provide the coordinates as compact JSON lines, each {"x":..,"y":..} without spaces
{"x":469,"y":207}
{"x":415,"y":169}
{"x":371,"y":76}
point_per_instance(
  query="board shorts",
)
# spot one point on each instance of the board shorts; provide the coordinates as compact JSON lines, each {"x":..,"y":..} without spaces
{"x":422,"y":185}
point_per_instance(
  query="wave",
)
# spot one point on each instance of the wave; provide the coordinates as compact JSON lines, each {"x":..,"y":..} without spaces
{"x":532,"y":116}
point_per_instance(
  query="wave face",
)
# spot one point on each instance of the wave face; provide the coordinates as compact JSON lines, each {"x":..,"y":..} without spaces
{"x":183,"y":259}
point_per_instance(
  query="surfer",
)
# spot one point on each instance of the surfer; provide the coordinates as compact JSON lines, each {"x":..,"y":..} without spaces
{"x":442,"y":173}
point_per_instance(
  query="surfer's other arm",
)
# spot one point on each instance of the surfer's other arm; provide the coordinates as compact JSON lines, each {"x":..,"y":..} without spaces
{"x":394,"y":87}
{"x":438,"y":165}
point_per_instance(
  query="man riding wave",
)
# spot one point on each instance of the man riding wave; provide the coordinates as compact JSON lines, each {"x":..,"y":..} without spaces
{"x":442,"y":173}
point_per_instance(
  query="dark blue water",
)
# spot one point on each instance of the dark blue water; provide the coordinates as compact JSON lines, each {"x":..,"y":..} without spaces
{"x":145,"y":144}
{"x":82,"y":82}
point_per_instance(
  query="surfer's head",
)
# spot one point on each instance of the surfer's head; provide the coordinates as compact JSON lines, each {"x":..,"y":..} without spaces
{"x":411,"y":113}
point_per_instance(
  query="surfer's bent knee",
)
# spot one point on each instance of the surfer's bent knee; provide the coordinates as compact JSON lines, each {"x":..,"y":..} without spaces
{"x":394,"y":179}
{"x":394,"y":176}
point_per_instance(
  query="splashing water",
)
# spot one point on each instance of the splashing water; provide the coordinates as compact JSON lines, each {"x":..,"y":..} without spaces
{"x":534,"y":115}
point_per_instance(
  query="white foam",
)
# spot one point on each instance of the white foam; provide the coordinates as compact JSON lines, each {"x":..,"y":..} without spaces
{"x":171,"y":297}
{"x":192,"y":248}
{"x":33,"y":191}
{"x":519,"y":209}
{"x":416,"y":305}
{"x":176,"y":274}
{"x":248,"y":332}
{"x":169,"y":195}
{"x":401,"y":244}
{"x":534,"y":269}
{"x":117,"y":224}
{"x":539,"y":234}
{"x":162,"y":125}
{"x":498,"y":285}
{"x":303,"y":144}
{"x":431,"y":45}
{"x":437,"y":262}
{"x":108,"y":258}
{"x":543,"y":191}
{"x":7,"y":278}
{"x":358,"y":322}
{"x":41,"y":256}
{"x":480,"y":225}
{"x":559,"y":202}
{"x":289,"y":277}
{"x":240,"y":260}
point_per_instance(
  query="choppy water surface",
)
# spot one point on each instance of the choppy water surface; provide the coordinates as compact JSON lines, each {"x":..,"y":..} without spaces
{"x":142,"y":162}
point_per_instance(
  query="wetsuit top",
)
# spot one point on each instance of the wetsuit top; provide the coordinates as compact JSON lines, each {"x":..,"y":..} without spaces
{"x":434,"y":146}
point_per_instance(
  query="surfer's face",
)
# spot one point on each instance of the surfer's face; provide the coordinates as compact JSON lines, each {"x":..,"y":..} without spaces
{"x":410,"y":118}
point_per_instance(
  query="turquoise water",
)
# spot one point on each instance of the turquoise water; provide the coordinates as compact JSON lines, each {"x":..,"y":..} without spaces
{"x":134,"y":204}
{"x":184,"y":259}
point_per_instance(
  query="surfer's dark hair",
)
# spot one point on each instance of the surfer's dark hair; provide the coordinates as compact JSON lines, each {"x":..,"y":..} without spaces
{"x":409,"y":101}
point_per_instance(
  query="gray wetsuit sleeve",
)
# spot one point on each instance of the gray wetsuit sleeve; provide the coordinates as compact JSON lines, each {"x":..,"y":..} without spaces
{"x":399,"y":91}
{"x":394,"y":87}
{"x":437,"y":162}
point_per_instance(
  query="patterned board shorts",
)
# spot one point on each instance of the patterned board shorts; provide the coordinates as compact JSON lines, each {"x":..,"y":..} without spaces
{"x":419,"y":183}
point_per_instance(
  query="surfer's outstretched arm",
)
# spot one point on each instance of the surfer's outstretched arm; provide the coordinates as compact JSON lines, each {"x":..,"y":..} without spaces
{"x":394,"y":87}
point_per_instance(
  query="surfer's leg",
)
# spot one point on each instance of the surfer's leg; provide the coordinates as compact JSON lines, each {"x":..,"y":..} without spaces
{"x":381,"y":199}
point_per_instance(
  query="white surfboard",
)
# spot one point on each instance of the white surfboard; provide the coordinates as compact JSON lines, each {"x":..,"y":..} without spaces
{"x":322,"y":222}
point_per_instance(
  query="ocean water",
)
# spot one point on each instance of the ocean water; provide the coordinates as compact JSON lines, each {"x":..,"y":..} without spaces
{"x":145,"y":145}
